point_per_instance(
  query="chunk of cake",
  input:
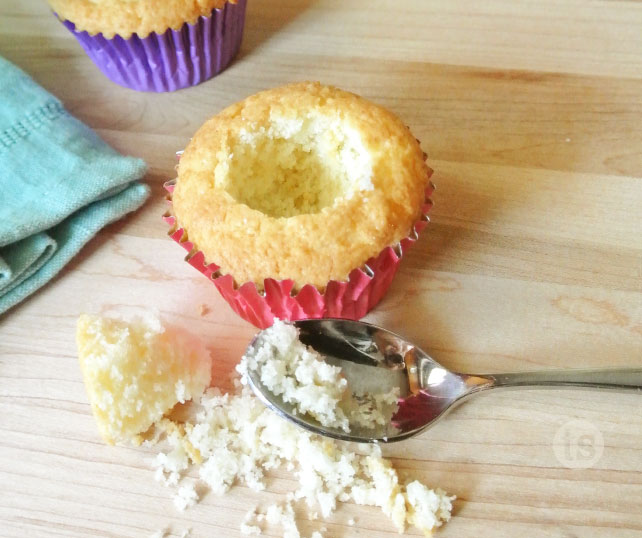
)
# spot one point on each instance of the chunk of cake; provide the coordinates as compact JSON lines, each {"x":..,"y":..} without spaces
{"x":135,"y":372}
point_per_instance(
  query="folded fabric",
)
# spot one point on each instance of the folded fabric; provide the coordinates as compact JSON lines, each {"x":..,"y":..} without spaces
{"x":59,"y":184}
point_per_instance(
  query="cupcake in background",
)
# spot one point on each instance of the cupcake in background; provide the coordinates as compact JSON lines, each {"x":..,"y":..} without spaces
{"x":152,"y":45}
{"x":299,"y":202}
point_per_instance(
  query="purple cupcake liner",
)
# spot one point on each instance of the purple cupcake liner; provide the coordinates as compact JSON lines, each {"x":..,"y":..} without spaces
{"x":173,"y":60}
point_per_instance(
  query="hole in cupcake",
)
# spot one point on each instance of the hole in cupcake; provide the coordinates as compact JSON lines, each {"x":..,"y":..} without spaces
{"x":295,"y":166}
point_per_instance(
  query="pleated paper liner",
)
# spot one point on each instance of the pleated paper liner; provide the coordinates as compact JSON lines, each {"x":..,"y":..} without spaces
{"x":172,"y":60}
{"x":351,"y":299}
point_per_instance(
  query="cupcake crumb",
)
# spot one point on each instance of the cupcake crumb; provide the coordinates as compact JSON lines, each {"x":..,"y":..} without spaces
{"x":301,"y":376}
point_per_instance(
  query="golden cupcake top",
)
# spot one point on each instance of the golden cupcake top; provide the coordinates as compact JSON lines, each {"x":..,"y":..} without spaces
{"x":127,"y":17}
{"x":303,"y":182}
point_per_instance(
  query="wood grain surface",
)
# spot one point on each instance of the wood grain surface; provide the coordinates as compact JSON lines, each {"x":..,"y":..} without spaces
{"x":531,"y":113}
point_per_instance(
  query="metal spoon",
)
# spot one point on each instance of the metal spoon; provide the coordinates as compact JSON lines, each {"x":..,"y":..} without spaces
{"x":372,"y":355}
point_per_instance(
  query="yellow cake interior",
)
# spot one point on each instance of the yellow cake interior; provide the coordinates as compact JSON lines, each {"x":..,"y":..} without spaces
{"x":296,"y":166}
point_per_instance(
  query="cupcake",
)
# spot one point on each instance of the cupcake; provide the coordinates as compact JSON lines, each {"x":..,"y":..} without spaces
{"x":299,"y":201}
{"x":152,"y":45}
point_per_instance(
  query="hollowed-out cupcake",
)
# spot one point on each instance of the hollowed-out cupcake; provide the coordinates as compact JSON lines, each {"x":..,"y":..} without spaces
{"x":153,"y":45}
{"x":299,"y":201}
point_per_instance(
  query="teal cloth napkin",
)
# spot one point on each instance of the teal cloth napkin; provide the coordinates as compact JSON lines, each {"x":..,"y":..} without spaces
{"x":59,"y":184}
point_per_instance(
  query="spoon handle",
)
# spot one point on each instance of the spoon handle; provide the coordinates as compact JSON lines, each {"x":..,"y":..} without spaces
{"x":622,"y":379}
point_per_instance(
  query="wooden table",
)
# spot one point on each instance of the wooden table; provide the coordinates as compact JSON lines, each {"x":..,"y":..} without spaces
{"x":531,"y":114}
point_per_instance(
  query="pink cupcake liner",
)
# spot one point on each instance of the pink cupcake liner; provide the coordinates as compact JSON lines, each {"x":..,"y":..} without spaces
{"x":172,"y":60}
{"x":351,"y":299}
